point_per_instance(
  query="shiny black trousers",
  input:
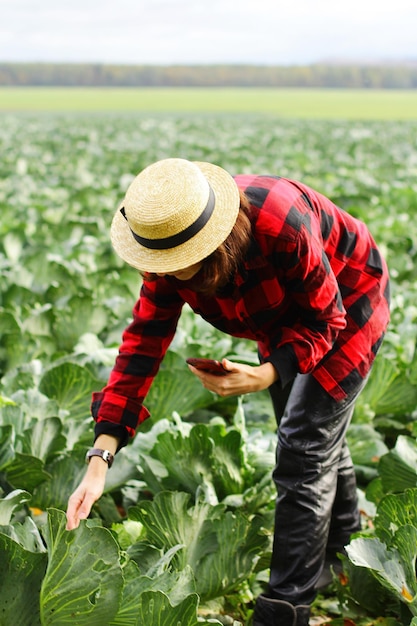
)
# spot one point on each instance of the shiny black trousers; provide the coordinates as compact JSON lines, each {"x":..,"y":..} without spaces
{"x":317,"y":507}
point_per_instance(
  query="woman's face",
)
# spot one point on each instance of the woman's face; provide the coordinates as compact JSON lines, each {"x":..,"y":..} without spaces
{"x":184,"y":274}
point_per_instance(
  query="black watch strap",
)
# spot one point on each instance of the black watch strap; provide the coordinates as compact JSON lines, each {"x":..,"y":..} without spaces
{"x":106,"y":455}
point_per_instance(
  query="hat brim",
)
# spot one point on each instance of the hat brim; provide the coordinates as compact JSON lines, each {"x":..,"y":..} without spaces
{"x":200,"y":246}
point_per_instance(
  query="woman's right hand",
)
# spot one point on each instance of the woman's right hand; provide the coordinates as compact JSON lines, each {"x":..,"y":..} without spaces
{"x":91,"y":487}
{"x":87,"y":493}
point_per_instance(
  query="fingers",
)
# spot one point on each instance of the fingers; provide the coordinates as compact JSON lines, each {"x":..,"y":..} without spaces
{"x":241,"y":379}
{"x":230,"y":366}
{"x":76,"y":514}
{"x":235,"y":383}
{"x":80,"y":504}
{"x":89,"y":491}
{"x":77,"y":510}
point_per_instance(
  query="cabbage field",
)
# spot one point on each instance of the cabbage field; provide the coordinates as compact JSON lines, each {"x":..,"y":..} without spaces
{"x":182,"y":535}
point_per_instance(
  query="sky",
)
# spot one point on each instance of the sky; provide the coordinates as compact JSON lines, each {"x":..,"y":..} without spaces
{"x":166,"y":32}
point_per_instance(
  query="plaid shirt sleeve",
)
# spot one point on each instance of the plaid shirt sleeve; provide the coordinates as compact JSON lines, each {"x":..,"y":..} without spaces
{"x":316,"y":303}
{"x":118,"y":408}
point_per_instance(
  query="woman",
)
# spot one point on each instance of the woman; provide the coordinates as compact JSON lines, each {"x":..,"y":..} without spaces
{"x":268,"y":259}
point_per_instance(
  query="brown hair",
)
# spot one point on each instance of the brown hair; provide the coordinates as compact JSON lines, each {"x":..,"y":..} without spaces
{"x":219,"y":267}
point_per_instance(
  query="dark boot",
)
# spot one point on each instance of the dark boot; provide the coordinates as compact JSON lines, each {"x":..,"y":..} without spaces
{"x":271,"y":612}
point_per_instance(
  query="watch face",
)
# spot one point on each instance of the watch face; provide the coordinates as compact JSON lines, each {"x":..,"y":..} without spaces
{"x":108,"y":457}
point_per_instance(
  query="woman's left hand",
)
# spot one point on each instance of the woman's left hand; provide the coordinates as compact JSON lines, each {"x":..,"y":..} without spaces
{"x":240,"y":378}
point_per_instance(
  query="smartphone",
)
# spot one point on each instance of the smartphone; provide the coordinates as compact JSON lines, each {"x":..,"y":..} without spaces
{"x":208,"y":365}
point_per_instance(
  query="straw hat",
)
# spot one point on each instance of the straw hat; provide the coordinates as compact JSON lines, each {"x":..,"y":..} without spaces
{"x":175,"y":213}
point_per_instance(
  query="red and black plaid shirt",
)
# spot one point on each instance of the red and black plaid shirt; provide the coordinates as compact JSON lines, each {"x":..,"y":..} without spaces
{"x":313,"y":292}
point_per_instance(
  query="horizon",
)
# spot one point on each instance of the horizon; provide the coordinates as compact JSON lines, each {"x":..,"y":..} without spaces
{"x":408,"y":61}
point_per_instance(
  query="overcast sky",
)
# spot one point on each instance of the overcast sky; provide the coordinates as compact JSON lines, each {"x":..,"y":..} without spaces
{"x":207,"y":31}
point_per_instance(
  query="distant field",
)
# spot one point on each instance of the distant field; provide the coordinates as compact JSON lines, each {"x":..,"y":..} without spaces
{"x":296,"y":103}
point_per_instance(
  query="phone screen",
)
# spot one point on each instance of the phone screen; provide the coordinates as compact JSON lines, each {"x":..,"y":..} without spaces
{"x":208,"y":365}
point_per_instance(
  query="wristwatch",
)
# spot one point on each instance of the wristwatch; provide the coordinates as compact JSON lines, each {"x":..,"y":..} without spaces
{"x":106,"y":455}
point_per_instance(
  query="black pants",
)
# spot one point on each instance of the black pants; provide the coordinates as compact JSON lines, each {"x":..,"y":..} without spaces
{"x":317,"y":507}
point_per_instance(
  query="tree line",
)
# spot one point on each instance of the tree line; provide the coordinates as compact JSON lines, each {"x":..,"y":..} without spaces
{"x":371,"y":76}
